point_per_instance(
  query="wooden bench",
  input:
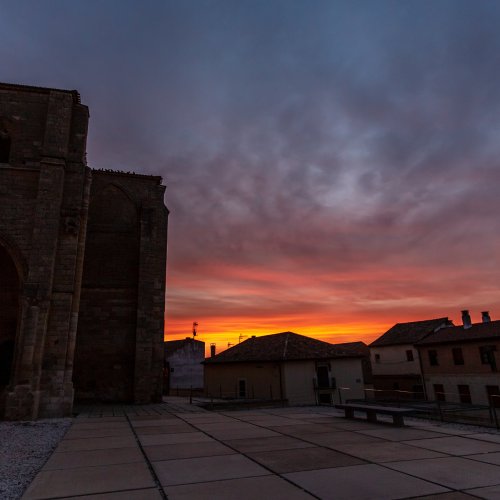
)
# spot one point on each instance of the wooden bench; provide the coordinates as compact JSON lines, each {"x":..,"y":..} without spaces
{"x":372,"y":410}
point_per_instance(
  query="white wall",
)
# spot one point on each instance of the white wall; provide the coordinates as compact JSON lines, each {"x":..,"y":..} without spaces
{"x":393,"y":360}
{"x":298,"y":379}
{"x":477,"y":386}
{"x":186,"y":369}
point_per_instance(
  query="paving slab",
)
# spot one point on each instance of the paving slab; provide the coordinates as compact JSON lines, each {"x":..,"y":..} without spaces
{"x":186,"y":450}
{"x":490,"y":493}
{"x":249,"y":432}
{"x":149,"y":494}
{"x":97,"y":443}
{"x":96,"y":424}
{"x":87,"y":458}
{"x":400,"y":433}
{"x":332,"y":439}
{"x":234,"y":425}
{"x":456,"y":445}
{"x":274,"y":421}
{"x":386,"y":451}
{"x":164,"y":429}
{"x":486,"y":436}
{"x":88,"y":480}
{"x":271,"y":487}
{"x":94,"y":432}
{"x":453,"y":495}
{"x":267,"y":444}
{"x":282,"y":461}
{"x":183,"y":437}
{"x":197,"y":470}
{"x":156,"y":422}
{"x":362,"y":482}
{"x":304,"y":429}
{"x":490,"y":458}
{"x":453,"y":472}
{"x":353,"y":425}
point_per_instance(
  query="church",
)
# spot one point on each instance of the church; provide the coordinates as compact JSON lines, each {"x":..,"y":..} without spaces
{"x":82,"y":265}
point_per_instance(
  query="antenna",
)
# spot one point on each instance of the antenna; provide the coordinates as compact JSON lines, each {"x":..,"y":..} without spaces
{"x":229,"y":345}
{"x":195,"y":324}
{"x":241,"y":337}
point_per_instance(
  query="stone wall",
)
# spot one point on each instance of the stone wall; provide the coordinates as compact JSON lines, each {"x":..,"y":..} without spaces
{"x":45,"y":191}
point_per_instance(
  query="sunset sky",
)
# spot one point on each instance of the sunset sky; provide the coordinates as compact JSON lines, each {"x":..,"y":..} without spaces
{"x":332,"y":167}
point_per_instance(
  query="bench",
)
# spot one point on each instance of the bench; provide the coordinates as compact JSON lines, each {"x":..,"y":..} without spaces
{"x":372,"y":410}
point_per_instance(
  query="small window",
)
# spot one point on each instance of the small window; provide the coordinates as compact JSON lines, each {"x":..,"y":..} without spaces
{"x":458,"y":356}
{"x":439,"y":392}
{"x":377,"y":358}
{"x":242,"y":388}
{"x":409,"y":355}
{"x":464,"y":393}
{"x":4,"y":146}
{"x":493,"y":392}
{"x":433,"y":357}
{"x":486,"y":352}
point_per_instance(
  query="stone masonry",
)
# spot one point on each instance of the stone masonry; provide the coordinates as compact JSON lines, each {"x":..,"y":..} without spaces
{"x":82,"y":264}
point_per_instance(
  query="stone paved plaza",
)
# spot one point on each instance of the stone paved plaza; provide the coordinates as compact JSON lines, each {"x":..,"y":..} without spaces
{"x":178,"y":451}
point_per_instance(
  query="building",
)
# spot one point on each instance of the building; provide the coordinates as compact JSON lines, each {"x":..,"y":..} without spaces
{"x":288,"y":367}
{"x":83,"y":256}
{"x":395,"y":360}
{"x":183,"y":366}
{"x":462,"y":363}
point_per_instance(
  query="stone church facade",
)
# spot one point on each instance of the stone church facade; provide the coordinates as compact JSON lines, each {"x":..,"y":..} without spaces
{"x":82,"y":265}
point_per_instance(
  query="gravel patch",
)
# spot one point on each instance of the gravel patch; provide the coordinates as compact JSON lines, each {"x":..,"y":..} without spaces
{"x":24,"y":449}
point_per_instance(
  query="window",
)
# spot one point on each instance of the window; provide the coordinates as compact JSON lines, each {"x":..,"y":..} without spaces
{"x":4,"y":146}
{"x":409,"y":355}
{"x":377,"y":358}
{"x":418,"y":391}
{"x":464,"y":393}
{"x":242,"y":388}
{"x":493,"y":392}
{"x":439,"y":392}
{"x":458,"y":356}
{"x":433,"y":357}
{"x":487,"y":353}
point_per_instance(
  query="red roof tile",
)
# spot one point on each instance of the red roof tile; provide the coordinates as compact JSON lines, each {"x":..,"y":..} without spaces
{"x":287,"y":346}
{"x":409,"y":333}
{"x":478,"y":331}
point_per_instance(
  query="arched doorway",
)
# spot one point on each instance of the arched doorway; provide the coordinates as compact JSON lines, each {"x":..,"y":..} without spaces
{"x":9,"y":315}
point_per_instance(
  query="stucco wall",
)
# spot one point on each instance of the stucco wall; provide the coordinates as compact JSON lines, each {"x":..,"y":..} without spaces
{"x":185,"y":365}
{"x":262,"y":379}
{"x":477,"y":386}
{"x":393,"y":360}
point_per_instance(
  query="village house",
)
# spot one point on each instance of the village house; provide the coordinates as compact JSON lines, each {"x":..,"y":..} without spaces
{"x":395,"y":361}
{"x":462,"y":363}
{"x":183,"y":366}
{"x":289,"y":367}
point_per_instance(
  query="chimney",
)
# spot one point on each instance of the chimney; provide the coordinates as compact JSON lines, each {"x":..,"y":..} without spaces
{"x":212,"y":350}
{"x":466,"y":319}
{"x":485,"y":316}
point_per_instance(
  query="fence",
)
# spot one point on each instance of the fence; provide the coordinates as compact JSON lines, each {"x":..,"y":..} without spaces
{"x":444,"y":411}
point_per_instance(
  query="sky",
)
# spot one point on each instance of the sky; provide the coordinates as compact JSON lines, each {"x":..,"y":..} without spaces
{"x":332,"y":167}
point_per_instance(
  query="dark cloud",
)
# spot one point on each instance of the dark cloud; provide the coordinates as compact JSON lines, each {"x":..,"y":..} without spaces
{"x":349,"y":150}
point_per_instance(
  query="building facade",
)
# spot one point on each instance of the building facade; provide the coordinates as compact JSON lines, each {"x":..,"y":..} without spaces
{"x":84,"y":254}
{"x":288,"y":367}
{"x":462,"y":364}
{"x":183,"y":366}
{"x":395,"y":359}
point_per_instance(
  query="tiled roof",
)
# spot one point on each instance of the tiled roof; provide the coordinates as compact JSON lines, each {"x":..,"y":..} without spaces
{"x":409,"y":333}
{"x":478,"y":331}
{"x":287,"y":346}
